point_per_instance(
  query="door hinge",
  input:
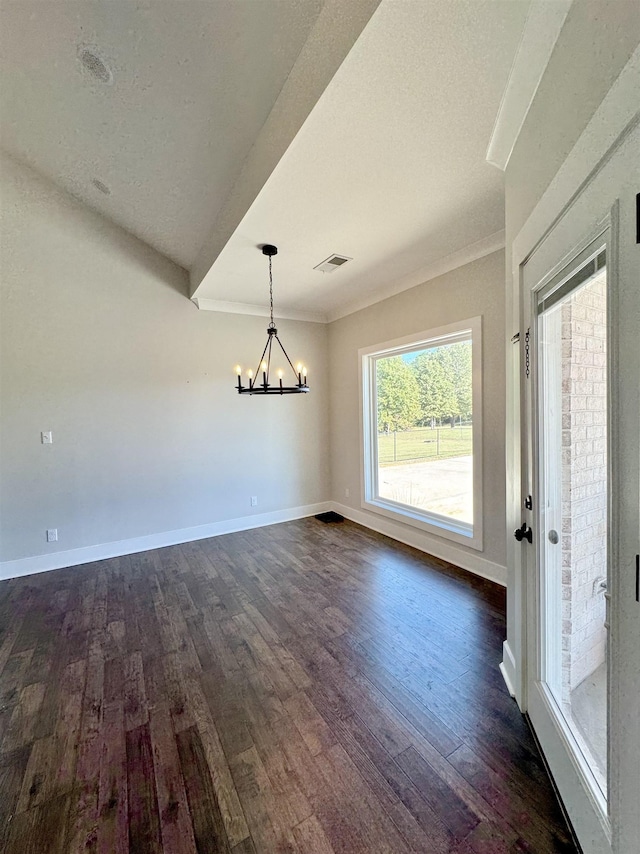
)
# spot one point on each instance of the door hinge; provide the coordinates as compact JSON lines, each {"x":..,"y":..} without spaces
{"x":528,"y":502}
{"x":527,"y":363}
{"x":523,"y":533}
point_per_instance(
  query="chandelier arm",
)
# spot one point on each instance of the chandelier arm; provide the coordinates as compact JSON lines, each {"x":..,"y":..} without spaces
{"x":270,"y":343}
{"x":295,"y":373}
{"x":262,"y":357}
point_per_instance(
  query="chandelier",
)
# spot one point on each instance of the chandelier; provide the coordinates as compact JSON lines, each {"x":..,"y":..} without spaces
{"x":256,"y":386}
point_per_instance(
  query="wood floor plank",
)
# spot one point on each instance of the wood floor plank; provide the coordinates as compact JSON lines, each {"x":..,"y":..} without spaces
{"x":14,"y":677}
{"x":258,"y":801}
{"x":144,"y":820}
{"x":311,"y":837}
{"x":136,"y":712}
{"x":113,"y":810}
{"x":508,"y":802}
{"x":230,"y":807}
{"x":12,"y":772}
{"x":312,"y":727}
{"x":334,"y":816}
{"x":372,"y":823}
{"x":24,"y":719}
{"x":451,"y":809}
{"x":244,"y":847}
{"x":303,"y":688}
{"x":208,"y":825}
{"x":42,"y":828}
{"x":11,"y":630}
{"x":175,"y":818}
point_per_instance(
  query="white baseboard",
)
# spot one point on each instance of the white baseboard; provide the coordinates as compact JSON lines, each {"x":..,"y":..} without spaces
{"x":103,"y":551}
{"x":426,"y":543}
{"x":508,"y":668}
{"x":87,"y":554}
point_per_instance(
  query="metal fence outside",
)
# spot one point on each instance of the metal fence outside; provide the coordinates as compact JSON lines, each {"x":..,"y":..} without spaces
{"x":423,"y":443}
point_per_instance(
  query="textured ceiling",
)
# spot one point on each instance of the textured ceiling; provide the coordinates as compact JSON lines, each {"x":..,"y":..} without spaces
{"x":194,"y":82}
{"x":389,"y":168}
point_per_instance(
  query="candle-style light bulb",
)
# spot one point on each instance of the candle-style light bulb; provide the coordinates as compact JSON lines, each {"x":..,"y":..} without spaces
{"x":263,"y":366}
{"x":239,"y":373}
{"x":299,"y":367}
{"x":249,"y":373}
{"x":238,"y":370}
{"x":280,"y":375}
{"x":304,"y":372}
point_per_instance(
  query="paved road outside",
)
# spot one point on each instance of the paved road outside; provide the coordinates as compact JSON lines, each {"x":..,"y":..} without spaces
{"x":442,"y":486}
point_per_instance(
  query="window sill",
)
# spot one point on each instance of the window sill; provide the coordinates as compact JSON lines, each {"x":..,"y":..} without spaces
{"x":432,"y":523}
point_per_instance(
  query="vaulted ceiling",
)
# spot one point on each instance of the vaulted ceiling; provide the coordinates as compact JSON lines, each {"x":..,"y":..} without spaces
{"x":323,"y":127}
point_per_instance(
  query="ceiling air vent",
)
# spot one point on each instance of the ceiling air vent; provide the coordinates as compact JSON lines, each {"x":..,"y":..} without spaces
{"x":333,"y":262}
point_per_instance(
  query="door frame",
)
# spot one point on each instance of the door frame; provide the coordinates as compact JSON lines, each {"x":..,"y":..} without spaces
{"x":611,"y":124}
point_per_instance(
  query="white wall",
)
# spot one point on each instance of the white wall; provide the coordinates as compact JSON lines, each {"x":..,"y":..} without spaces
{"x":101,"y":345}
{"x":471,"y":290}
{"x":594,"y":45}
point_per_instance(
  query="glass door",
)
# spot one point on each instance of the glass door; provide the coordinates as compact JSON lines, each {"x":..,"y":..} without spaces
{"x":574,"y":506}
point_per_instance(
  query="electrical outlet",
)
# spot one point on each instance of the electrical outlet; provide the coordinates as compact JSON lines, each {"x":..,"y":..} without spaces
{"x":52,"y":535}
{"x":46,"y":437}
{"x":254,"y":500}
{"x":347,"y":492}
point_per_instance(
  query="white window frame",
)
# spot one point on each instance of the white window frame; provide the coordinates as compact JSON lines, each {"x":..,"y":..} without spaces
{"x":434,"y":523}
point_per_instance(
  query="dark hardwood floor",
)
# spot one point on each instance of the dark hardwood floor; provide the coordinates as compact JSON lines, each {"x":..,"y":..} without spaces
{"x":301,"y":688}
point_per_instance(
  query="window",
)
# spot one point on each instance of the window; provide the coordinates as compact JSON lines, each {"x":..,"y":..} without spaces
{"x":422,"y":440}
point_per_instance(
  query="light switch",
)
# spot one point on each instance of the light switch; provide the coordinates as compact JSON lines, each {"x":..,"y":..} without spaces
{"x":47,"y":437}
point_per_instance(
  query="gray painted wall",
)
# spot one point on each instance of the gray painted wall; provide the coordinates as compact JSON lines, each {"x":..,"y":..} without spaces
{"x":101,"y":345}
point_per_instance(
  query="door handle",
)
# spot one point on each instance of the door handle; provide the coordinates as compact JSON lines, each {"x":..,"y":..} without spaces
{"x":523,"y":533}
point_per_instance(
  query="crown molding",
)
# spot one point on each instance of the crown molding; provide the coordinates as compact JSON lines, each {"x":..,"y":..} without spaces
{"x":255,"y":310}
{"x":486,"y":246}
{"x":541,"y":31}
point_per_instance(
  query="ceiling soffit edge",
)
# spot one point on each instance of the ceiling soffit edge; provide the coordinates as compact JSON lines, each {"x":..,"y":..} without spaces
{"x":335,"y":32}
{"x":544,"y":23}
{"x":473,"y":252}
{"x":246,"y":308}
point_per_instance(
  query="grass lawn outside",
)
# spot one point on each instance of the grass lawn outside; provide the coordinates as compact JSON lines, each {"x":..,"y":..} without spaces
{"x":424,"y":443}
